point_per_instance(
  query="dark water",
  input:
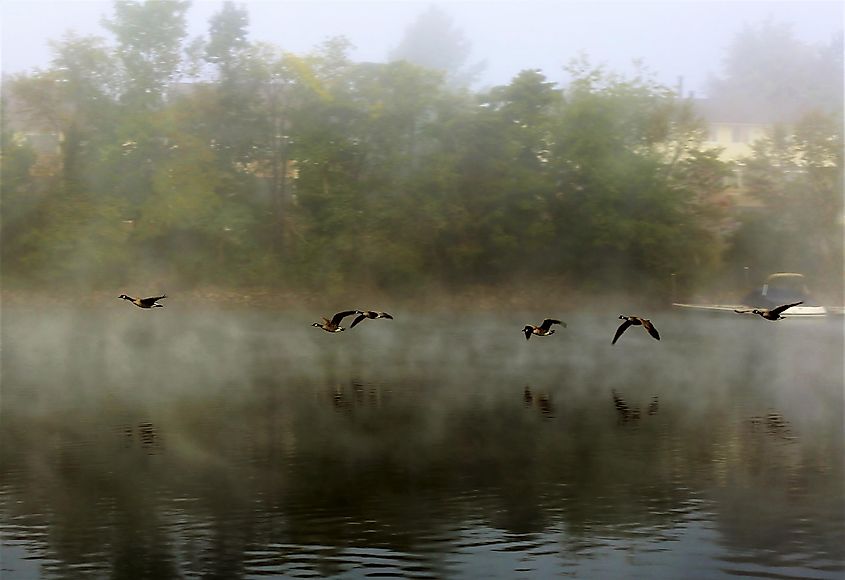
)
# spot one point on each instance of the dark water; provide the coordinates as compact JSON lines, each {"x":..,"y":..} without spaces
{"x":178,"y":443}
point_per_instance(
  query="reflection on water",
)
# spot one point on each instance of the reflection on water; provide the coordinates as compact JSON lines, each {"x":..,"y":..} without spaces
{"x":243,"y":444}
{"x":628,"y":414}
{"x":541,"y":401}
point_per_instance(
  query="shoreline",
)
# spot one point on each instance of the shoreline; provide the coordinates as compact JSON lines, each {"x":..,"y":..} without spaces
{"x":469,"y":299}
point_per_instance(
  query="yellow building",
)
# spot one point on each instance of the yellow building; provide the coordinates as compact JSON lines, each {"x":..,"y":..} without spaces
{"x":733,"y":129}
{"x":734,"y":132}
{"x":734,"y":138}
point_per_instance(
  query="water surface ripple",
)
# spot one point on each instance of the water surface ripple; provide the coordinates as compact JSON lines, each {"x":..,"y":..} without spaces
{"x":242,"y":444}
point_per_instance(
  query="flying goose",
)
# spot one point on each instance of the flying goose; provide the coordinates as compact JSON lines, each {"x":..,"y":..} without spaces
{"x":770,"y":314}
{"x":144,"y":302}
{"x":333,"y":325}
{"x":635,"y":321}
{"x":371,"y":314}
{"x":545,"y":329}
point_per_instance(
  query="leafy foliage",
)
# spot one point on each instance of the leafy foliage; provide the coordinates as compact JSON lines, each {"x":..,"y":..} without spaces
{"x":312,"y":170}
{"x":434,"y":42}
{"x":770,"y":74}
{"x":797,"y":171}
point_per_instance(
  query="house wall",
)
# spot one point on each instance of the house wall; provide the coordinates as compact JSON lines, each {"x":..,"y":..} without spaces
{"x":734,"y":138}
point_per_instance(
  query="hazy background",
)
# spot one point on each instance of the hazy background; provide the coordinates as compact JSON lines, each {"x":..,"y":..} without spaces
{"x":673,"y":38}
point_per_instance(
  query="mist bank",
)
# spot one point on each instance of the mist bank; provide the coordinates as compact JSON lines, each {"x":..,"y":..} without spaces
{"x":530,"y":294}
{"x":73,"y":351}
{"x":533,"y":297}
{"x":116,"y":420}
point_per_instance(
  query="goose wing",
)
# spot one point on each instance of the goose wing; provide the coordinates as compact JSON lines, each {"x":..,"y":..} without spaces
{"x":341,"y":315}
{"x":650,"y":328}
{"x":152,"y":300}
{"x":547,"y":323}
{"x":779,"y":309}
{"x":622,"y":328}
{"x":358,"y":319}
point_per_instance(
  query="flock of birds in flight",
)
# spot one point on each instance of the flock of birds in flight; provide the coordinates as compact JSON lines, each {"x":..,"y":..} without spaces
{"x":333,"y":324}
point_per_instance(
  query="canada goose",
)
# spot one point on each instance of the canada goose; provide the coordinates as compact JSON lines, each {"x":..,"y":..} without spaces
{"x":362,"y":314}
{"x":144,"y":302}
{"x":333,"y":325}
{"x":770,"y":314}
{"x":635,"y":321}
{"x":545,"y":329}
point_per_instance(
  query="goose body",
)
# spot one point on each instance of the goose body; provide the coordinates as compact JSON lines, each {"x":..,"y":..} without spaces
{"x":770,"y":314}
{"x":544,"y":329}
{"x":635,"y":321}
{"x":333,"y":325}
{"x":371,"y":314}
{"x":151,"y":302}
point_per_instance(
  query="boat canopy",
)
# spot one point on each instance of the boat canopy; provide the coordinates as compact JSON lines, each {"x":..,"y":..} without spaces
{"x":780,"y":288}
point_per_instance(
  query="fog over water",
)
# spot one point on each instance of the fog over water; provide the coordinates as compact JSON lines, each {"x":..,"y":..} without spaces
{"x":188,"y":441}
{"x":247,"y":161}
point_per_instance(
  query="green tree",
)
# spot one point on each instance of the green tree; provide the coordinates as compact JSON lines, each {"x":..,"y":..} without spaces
{"x":236,"y":121}
{"x":228,"y":40}
{"x":187,"y":218}
{"x":356,"y":145}
{"x":434,"y":42}
{"x":490,"y":177}
{"x":797,"y":175}
{"x":149,"y":38}
{"x":21,"y":207}
{"x":315,"y":170}
{"x":769,"y":73}
{"x":148,"y":50}
{"x":73,"y":101}
{"x":626,"y":206}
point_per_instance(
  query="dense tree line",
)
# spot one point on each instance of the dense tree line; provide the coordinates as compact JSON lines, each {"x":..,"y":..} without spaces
{"x":223,"y":161}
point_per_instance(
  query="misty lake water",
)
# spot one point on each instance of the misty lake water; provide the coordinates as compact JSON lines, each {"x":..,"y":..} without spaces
{"x":242,"y":444}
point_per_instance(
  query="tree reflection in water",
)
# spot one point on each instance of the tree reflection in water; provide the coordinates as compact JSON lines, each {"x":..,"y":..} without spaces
{"x":177,"y":447}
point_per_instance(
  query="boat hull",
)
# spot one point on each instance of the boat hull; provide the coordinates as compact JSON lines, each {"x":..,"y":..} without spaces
{"x":794,"y":312}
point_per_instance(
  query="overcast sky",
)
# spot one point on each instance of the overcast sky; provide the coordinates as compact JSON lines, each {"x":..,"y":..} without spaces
{"x":672,"y":38}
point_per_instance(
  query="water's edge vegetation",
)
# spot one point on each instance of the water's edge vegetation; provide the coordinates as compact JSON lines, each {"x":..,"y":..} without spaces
{"x":222,"y":162}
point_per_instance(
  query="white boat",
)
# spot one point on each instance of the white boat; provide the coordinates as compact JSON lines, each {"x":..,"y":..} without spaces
{"x":780,"y":288}
{"x":794,"y":312}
